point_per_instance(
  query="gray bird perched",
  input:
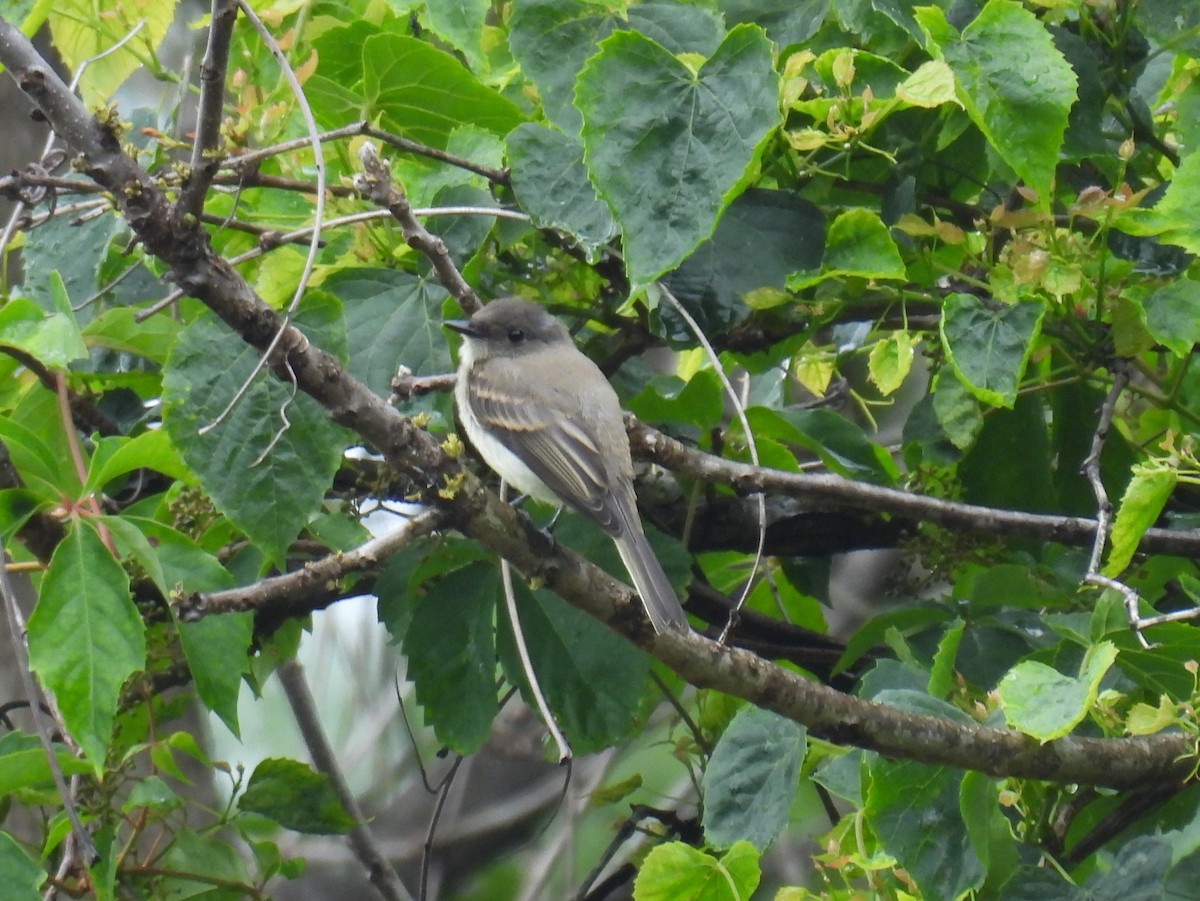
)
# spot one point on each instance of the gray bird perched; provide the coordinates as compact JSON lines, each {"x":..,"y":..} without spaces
{"x":544,"y":417}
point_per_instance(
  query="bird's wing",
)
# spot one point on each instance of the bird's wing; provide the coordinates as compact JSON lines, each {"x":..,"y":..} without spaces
{"x":554,"y":443}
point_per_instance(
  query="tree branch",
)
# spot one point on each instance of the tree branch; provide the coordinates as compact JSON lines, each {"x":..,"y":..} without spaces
{"x":206,"y":145}
{"x":362,"y":839}
{"x":823,"y":489}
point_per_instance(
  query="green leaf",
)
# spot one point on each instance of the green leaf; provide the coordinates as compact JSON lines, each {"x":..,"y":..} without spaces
{"x":592,"y":679}
{"x":216,"y":648}
{"x":74,"y":252}
{"x":450,"y":645}
{"x":751,"y":779}
{"x":1145,"y":496}
{"x":460,"y":23}
{"x":903,"y":799}
{"x":786,"y":22}
{"x":891,"y":360}
{"x":421,"y":92}
{"x":941,"y":676}
{"x":117,"y":329}
{"x":669,"y":165}
{"x":82,"y":32}
{"x":841,"y":445}
{"x":206,"y":856}
{"x":932,"y":84}
{"x":1042,"y":702}
{"x":858,"y":245}
{"x":989,"y":344}
{"x":86,"y":638}
{"x":763,"y":237}
{"x":23,"y":763}
{"x":296,"y":797}
{"x":118,"y":456}
{"x":989,"y":829}
{"x":52,"y":339}
{"x":1014,"y":83}
{"x":674,"y":870}
{"x":1173,"y":315}
{"x":41,"y":469}
{"x":272,"y":499}
{"x":392,"y":318}
{"x":20,"y":874}
{"x":552,"y":39}
{"x":551,"y":184}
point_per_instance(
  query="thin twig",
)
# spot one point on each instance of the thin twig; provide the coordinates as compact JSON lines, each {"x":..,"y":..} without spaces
{"x":295,"y":587}
{"x":751,"y":444}
{"x":206,"y":146}
{"x":510,"y":603}
{"x":1104,"y":507}
{"x":362,"y":839}
{"x":375,"y":184}
{"x":271,"y":240}
{"x":364,"y":128}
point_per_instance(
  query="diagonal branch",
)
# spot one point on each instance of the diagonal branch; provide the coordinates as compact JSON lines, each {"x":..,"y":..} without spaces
{"x":206,"y":145}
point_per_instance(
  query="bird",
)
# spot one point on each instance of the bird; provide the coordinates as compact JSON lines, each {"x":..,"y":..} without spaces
{"x":542,"y":415}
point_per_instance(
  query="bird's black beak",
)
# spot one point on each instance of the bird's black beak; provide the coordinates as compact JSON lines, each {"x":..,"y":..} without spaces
{"x":462,"y":326}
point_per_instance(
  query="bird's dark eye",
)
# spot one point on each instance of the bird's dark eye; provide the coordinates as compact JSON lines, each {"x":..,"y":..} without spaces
{"x":515,"y":335}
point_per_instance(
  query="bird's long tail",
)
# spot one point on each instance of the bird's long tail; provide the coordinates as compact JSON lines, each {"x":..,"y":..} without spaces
{"x":658,"y":595}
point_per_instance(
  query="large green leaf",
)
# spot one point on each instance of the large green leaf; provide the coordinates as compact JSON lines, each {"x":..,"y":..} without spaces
{"x":424,"y":93}
{"x":89,"y":31}
{"x":406,"y":84}
{"x":751,"y":779}
{"x":592,"y":680}
{"x":1173,"y":315}
{"x":20,"y":874}
{"x":763,"y":237}
{"x":295,"y":796}
{"x":392,"y":318}
{"x":1042,"y":702}
{"x":1014,"y":83}
{"x":86,"y":638}
{"x":551,"y":185}
{"x":904,"y":798}
{"x":451,"y":648}
{"x":270,"y":499}
{"x":858,"y":245}
{"x":552,"y":39}
{"x":674,"y":870}
{"x":669,"y":164}
{"x":989,"y":343}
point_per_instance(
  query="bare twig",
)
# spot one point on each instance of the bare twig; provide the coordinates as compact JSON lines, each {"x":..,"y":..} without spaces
{"x":375,"y":184}
{"x":824,"y":491}
{"x":364,"y":128}
{"x":295,"y":587}
{"x":510,"y":604}
{"x":206,"y":145}
{"x":751,"y":445}
{"x":362,"y":839}
{"x":1104,"y":507}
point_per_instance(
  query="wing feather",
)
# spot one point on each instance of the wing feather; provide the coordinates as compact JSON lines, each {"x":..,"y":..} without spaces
{"x":555,"y":442}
